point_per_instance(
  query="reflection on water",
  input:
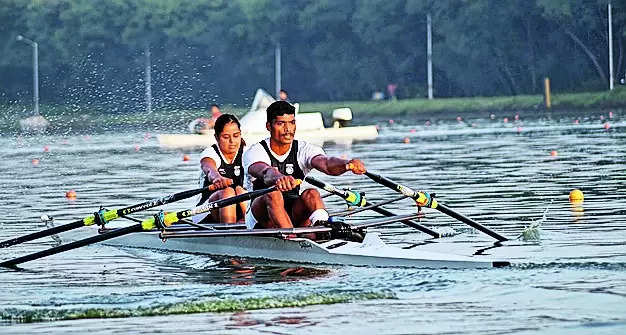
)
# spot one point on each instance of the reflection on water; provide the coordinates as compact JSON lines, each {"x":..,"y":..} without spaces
{"x":569,"y":275}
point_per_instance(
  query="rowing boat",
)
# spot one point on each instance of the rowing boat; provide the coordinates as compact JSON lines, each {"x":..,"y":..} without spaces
{"x":336,"y":241}
{"x":275,"y":245}
{"x":310,"y":127}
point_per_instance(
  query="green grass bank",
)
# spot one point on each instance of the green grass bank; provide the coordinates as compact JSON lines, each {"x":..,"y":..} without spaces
{"x":66,"y":118}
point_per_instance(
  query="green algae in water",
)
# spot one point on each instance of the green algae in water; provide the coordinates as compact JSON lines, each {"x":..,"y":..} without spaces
{"x":207,"y":306}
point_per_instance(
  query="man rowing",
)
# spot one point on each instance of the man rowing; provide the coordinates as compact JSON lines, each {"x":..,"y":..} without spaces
{"x":221,"y":166}
{"x":279,"y":160}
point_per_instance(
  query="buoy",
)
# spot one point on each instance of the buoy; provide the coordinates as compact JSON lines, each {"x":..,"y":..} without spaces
{"x":516,"y":117}
{"x":553,"y":153}
{"x":46,"y":148}
{"x":35,"y":162}
{"x":412,"y":130}
{"x":610,"y":115}
{"x":459,"y":118}
{"x":71,"y":194}
{"x":137,"y":147}
{"x":607,"y":126}
{"x":576,"y":121}
{"x":576,"y":196}
{"x":391,"y":121}
{"x":505,"y":120}
{"x":186,"y":158}
{"x":407,"y":140}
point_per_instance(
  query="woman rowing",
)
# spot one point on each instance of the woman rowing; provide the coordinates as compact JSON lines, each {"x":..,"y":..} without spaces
{"x":222,"y":167}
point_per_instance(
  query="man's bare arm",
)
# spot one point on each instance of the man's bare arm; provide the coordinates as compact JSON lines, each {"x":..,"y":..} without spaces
{"x":335,"y":166}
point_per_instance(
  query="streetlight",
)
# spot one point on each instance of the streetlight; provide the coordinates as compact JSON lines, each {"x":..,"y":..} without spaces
{"x":35,"y":70}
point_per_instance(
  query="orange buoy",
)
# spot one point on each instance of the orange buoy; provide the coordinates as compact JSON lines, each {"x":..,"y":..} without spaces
{"x":407,"y":140}
{"x":35,"y":161}
{"x":186,"y":158}
{"x":576,"y":196}
{"x":505,"y":120}
{"x":391,"y":121}
{"x":459,"y":118}
{"x":137,"y":147}
{"x":46,"y":148}
{"x":607,"y":126}
{"x":71,"y":194}
{"x":553,"y":153}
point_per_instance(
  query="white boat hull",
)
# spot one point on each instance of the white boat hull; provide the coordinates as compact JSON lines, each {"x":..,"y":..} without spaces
{"x":371,"y":252}
{"x":318,"y":136}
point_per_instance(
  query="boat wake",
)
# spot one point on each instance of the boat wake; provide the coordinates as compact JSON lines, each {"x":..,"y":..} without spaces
{"x":216,"y":305}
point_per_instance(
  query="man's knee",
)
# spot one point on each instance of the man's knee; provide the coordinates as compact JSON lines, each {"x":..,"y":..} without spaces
{"x":310,"y":195}
{"x":228,"y":192}
{"x":275,"y":198}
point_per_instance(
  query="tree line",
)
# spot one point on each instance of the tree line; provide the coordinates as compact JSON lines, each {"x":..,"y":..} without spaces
{"x":93,"y":52}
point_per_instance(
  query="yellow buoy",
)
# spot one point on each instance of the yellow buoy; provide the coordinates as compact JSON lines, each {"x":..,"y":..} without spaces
{"x":576,"y":195}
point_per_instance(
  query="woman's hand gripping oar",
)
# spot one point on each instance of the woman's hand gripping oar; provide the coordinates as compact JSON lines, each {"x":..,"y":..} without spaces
{"x":424,"y":199}
{"x":158,"y":221}
{"x":101,"y":217}
{"x":356,"y":199}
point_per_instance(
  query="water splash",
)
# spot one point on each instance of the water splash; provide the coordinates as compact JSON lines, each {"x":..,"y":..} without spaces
{"x":533,"y":231}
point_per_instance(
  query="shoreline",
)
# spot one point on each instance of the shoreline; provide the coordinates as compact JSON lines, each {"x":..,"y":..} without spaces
{"x":175,"y":120}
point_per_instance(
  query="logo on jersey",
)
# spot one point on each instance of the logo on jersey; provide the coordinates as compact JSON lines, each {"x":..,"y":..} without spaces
{"x":237,"y":170}
{"x":222,"y":171}
{"x":289,"y":168}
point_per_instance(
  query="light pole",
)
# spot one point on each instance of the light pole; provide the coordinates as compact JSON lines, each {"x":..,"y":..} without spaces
{"x":610,"y":47}
{"x":35,"y":70}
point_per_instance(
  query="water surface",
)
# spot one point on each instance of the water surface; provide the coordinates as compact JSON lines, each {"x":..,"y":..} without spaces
{"x":572,"y":279}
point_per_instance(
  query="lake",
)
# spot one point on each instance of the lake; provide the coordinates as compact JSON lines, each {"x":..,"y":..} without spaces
{"x":568,"y":278}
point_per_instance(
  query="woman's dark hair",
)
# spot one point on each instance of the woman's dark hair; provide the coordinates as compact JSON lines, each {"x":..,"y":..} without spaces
{"x":222,"y":121}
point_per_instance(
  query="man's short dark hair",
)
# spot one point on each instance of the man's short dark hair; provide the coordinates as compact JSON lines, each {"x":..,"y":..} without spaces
{"x":279,"y":108}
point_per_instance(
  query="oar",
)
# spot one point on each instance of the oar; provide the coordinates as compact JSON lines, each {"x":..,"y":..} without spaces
{"x":162,"y":221}
{"x":425,"y":200}
{"x":106,"y":216}
{"x":144,"y":225}
{"x":355,"y":199}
